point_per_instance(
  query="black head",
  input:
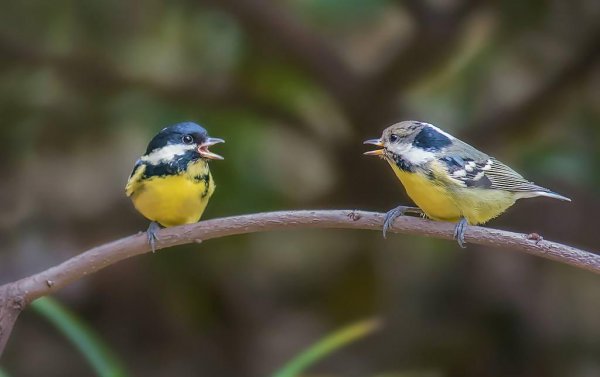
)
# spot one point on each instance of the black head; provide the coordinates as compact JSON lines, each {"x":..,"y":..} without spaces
{"x":180,"y":133}
{"x":186,"y":134}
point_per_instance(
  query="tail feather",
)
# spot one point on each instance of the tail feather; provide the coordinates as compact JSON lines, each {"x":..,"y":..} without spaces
{"x":552,"y":194}
{"x":543,"y":192}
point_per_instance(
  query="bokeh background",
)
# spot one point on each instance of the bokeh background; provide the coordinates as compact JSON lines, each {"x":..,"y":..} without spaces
{"x":294,"y":87}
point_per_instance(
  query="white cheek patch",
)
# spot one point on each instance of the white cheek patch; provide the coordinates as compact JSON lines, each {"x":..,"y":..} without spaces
{"x":416,"y":156}
{"x":166,"y":153}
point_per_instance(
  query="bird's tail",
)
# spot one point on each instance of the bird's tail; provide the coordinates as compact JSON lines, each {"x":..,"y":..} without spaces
{"x":552,"y":194}
{"x":544,"y":192}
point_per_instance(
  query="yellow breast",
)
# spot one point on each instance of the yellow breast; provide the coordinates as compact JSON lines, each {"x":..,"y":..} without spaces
{"x":175,"y":199}
{"x":442,"y":199}
{"x":435,"y":200}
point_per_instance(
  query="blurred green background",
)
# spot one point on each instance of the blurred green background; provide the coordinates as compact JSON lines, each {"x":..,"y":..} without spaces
{"x":294,"y":87}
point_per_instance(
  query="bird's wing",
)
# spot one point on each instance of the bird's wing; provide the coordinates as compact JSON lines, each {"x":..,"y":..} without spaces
{"x":467,"y":171}
{"x":135,"y":177}
{"x":505,"y":178}
{"x":489,"y":173}
{"x":469,"y":167}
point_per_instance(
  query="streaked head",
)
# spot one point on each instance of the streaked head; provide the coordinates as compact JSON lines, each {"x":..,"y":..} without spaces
{"x":412,"y":141}
{"x":181,"y":139}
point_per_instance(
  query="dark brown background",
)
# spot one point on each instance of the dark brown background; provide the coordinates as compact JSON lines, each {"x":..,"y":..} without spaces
{"x":294,"y":87}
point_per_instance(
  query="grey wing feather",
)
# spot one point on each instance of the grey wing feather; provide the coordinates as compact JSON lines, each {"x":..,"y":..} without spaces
{"x":467,"y":165}
{"x":505,"y":178}
{"x":474,"y":168}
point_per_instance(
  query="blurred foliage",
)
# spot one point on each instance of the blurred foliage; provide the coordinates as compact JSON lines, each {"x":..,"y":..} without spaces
{"x":89,"y":344}
{"x":327,"y":345}
{"x":294,"y":87}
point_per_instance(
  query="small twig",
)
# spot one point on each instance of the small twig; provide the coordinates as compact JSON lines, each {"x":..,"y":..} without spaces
{"x":15,"y":296}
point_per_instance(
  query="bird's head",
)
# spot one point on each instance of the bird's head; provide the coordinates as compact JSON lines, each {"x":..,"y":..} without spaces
{"x":411,"y":140}
{"x":410,"y":143}
{"x":396,"y":138}
{"x":182,"y":139}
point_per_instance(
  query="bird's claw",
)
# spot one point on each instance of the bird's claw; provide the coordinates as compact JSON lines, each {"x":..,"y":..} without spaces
{"x":459,"y":232}
{"x":151,"y":235}
{"x":393,"y":214}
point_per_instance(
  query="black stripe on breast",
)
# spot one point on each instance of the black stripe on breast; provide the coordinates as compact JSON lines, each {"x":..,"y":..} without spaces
{"x":174,"y":167}
{"x":403,"y":164}
{"x":206,"y":179}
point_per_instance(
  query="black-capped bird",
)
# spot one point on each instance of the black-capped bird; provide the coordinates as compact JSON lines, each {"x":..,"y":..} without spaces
{"x":171,"y":183}
{"x":448,"y":179}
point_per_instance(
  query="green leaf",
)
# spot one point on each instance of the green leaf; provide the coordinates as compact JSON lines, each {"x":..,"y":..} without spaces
{"x":328,"y":345}
{"x":3,"y":373}
{"x":87,"y":342}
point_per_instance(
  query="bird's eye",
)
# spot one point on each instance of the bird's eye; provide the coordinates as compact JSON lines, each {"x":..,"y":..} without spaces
{"x":187,"y":139}
{"x":394,"y":138}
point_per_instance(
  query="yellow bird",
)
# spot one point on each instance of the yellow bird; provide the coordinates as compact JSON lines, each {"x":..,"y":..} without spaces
{"x":171,"y":183}
{"x":448,"y":179}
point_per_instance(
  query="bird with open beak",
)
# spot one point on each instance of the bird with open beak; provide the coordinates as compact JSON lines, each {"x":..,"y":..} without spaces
{"x":171,"y":183}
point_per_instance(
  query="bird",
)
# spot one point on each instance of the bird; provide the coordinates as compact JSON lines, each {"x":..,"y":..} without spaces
{"x":448,"y":179}
{"x":171,"y":182}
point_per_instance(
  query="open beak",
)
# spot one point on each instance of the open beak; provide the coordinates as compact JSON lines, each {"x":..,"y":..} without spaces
{"x":205,"y":153}
{"x":377,"y":152}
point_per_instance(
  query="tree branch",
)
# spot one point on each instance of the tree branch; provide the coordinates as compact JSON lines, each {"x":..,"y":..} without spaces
{"x":15,"y":296}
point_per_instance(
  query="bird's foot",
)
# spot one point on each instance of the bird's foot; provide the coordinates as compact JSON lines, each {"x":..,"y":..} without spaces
{"x":459,"y":232}
{"x":393,"y":214}
{"x":151,"y":234}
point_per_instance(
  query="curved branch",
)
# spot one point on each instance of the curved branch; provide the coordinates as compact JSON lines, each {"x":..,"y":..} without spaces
{"x":15,"y":296}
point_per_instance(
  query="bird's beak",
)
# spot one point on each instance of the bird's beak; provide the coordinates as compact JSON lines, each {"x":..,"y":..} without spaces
{"x":377,"y":152}
{"x":205,"y":153}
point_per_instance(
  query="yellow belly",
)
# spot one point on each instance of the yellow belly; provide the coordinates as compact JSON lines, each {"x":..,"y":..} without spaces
{"x":444,"y":202}
{"x":479,"y":206}
{"x":434,"y":200}
{"x":172,"y":200}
